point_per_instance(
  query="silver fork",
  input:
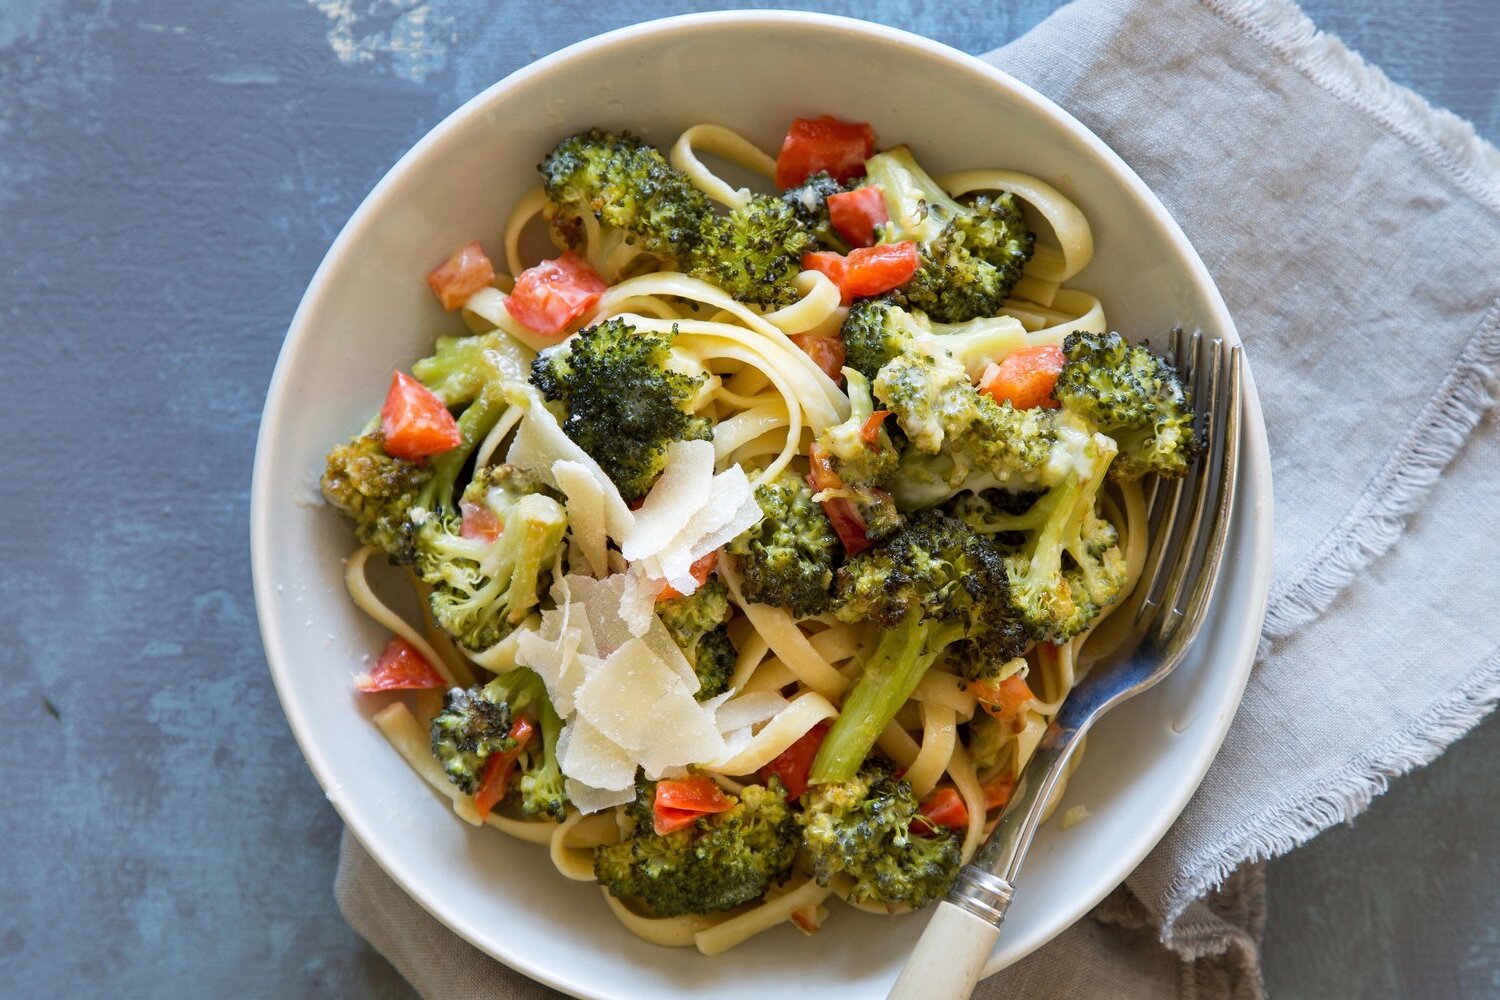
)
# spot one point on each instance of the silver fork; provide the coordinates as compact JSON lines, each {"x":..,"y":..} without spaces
{"x":1188,"y":531}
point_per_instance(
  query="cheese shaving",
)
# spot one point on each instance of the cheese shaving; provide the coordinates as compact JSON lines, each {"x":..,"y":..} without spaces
{"x":680,"y":492}
{"x":586,"y":521}
{"x":540,"y":443}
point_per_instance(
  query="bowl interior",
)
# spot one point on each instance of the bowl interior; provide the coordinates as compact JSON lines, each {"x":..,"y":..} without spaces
{"x":369,"y":309}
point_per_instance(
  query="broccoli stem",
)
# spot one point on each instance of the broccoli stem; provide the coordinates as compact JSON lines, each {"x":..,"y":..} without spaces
{"x":891,"y":674}
{"x":477,"y":420}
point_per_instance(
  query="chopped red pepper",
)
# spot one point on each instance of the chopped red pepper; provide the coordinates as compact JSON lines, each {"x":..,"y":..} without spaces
{"x":478,"y":522}
{"x":814,"y":144}
{"x":870,"y":432}
{"x":461,"y":275}
{"x":1004,"y":700}
{"x":847,"y":523}
{"x":793,"y":763}
{"x":680,"y":801}
{"x":868,"y":270}
{"x":1025,"y":378}
{"x":549,"y":297}
{"x":400,"y":668}
{"x":414,"y":422}
{"x":700,"y":570}
{"x":945,"y":808}
{"x":855,"y":214}
{"x":827,"y":352}
{"x":498,"y":769}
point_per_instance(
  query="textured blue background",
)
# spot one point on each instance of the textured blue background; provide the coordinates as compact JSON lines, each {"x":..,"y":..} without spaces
{"x":171,"y":171}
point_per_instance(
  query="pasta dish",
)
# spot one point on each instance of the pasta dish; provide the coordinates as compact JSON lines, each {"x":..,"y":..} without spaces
{"x":757,"y":532}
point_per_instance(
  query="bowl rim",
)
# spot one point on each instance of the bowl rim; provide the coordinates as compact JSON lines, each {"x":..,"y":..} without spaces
{"x":1254,"y":490}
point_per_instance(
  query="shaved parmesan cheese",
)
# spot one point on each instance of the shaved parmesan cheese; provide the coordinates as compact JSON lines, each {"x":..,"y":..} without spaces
{"x":601,"y":600}
{"x":725,"y":509}
{"x":540,"y":443}
{"x":592,"y":800}
{"x":680,"y":492}
{"x":682,"y":733}
{"x":593,"y":759}
{"x":746,"y":516}
{"x":638,"y":600}
{"x":586,"y":521}
{"x":623,"y":696}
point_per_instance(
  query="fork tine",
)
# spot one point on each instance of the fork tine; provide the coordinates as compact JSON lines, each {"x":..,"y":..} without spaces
{"x":1194,"y":531}
{"x":1167,"y":497}
{"x":1226,"y":445}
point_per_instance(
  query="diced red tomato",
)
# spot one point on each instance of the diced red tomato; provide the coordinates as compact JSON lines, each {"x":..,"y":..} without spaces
{"x":832,"y":264}
{"x":700,"y":570}
{"x":868,"y":270}
{"x":855,"y":214}
{"x":877,"y":269}
{"x":498,"y":769}
{"x":549,"y":297}
{"x":998,"y":790}
{"x":847,"y":523}
{"x":827,"y":352}
{"x":870,"y":432}
{"x":945,"y":808}
{"x":414,"y":422}
{"x":814,"y":144}
{"x":478,"y":522}
{"x":680,"y":801}
{"x":793,"y":763}
{"x":400,"y":668}
{"x":1025,"y":378}
{"x":461,"y":275}
{"x":1004,"y":700}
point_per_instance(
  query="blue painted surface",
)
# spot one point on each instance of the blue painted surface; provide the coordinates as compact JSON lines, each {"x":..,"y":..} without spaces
{"x":171,"y":171}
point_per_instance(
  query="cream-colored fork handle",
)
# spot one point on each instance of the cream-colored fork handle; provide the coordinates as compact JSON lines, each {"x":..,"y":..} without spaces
{"x":949,"y":958}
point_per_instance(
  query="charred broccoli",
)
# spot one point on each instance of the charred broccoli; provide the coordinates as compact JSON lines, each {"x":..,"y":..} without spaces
{"x":877,"y":331}
{"x":1068,"y":564}
{"x":972,"y":255}
{"x":383,"y":495}
{"x":936,"y":587}
{"x":862,"y":827}
{"x":477,"y":723}
{"x":625,"y":401}
{"x":696,"y":623}
{"x":643,"y":204}
{"x":1135,"y":397}
{"x":787,"y":558}
{"x":754,"y":252}
{"x":719,"y":862}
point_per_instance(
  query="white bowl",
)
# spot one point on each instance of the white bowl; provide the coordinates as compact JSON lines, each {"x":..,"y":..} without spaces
{"x":368,"y":309}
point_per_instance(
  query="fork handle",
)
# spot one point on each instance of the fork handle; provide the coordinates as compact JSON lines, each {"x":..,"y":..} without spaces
{"x":949,"y":957}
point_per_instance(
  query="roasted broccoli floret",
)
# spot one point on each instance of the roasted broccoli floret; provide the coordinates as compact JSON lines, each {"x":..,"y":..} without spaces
{"x":754,"y":251}
{"x":461,"y":367}
{"x":959,"y":438}
{"x":862,"y":826}
{"x":877,"y":331}
{"x":1135,"y":397}
{"x":936,"y":587}
{"x":477,"y":723}
{"x":696,"y":623}
{"x":719,"y":862}
{"x":374,"y":491}
{"x":485,"y":585}
{"x":787,"y":558}
{"x":643,"y":204}
{"x":625,"y":401}
{"x":863,"y":462}
{"x":382,"y":495}
{"x":1068,"y":564}
{"x":972,"y":254}
{"x":810,"y":201}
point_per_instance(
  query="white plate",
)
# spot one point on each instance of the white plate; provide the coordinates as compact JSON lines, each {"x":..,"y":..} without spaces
{"x":368,"y":309}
